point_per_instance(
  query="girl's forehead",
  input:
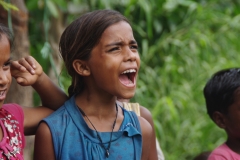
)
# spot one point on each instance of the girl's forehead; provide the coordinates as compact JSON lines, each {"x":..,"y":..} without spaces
{"x":117,"y":32}
{"x":121,"y":26}
{"x":4,"y":40}
{"x":4,"y":49}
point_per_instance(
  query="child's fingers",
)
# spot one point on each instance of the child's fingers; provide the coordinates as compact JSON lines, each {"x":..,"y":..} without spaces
{"x":20,"y":80}
{"x":28,"y":64}
{"x":31,"y":61}
{"x":15,"y":64}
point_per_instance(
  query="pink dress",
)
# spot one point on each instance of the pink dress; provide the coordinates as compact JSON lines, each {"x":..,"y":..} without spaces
{"x":13,"y":142}
{"x":223,"y":152}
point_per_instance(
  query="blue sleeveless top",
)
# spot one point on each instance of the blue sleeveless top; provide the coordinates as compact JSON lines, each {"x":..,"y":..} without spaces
{"x":74,"y":140}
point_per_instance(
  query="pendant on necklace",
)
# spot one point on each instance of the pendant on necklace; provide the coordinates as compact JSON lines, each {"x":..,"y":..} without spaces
{"x":107,"y":153}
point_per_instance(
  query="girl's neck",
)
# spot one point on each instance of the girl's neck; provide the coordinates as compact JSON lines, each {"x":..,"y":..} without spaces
{"x":101,"y":112}
{"x":95,"y":106}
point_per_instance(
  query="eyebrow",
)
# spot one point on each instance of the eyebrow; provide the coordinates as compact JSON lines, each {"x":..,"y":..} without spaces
{"x":120,"y":43}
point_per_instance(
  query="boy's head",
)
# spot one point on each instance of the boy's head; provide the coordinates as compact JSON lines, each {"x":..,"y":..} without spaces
{"x":222,"y":96}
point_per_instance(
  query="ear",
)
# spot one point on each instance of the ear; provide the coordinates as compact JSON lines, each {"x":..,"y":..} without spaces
{"x":81,"y":67}
{"x":219,"y":119}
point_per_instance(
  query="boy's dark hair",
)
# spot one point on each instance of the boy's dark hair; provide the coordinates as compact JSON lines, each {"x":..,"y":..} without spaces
{"x":220,"y":89}
{"x":4,"y":30}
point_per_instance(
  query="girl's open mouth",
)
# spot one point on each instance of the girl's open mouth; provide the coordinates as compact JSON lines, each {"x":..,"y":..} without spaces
{"x":128,"y":77}
{"x":2,"y":95}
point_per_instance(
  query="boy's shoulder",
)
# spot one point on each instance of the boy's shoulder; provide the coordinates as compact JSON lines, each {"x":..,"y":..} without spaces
{"x":223,"y":152}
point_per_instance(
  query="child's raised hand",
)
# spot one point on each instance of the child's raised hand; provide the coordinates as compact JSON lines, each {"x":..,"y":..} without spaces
{"x":26,"y":70}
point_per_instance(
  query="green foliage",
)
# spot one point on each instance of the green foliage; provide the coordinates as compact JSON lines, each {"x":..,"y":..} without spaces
{"x":8,"y":6}
{"x":182,"y":43}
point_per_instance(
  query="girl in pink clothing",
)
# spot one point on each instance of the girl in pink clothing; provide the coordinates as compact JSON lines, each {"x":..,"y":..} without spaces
{"x":17,"y":121}
{"x":222,"y":95}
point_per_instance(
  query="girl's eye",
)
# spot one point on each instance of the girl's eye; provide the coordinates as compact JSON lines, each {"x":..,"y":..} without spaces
{"x":113,"y":49}
{"x":7,"y":65}
{"x":134,"y":47}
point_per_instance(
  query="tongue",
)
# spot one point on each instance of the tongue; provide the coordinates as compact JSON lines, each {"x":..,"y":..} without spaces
{"x":124,"y":79}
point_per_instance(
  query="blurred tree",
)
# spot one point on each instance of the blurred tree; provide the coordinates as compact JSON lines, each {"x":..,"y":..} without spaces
{"x":19,"y":24}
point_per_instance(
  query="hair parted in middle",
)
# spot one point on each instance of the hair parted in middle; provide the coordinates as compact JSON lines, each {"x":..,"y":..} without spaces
{"x":80,"y":37}
{"x":220,"y":90}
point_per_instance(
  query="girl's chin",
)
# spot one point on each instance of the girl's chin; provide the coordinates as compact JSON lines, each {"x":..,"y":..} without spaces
{"x":128,"y":96}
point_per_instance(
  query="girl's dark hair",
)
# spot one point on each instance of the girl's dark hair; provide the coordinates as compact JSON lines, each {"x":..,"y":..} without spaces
{"x":4,"y":30}
{"x":220,"y":90}
{"x":80,"y":37}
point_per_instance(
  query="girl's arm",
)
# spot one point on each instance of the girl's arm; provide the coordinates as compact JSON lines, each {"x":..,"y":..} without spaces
{"x":145,"y":113}
{"x":146,"y":135}
{"x":43,"y":146}
{"x":27,"y":71}
{"x":32,"y":117}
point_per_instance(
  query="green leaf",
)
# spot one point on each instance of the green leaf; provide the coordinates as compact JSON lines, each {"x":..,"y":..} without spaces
{"x":52,"y":8}
{"x":8,"y":6}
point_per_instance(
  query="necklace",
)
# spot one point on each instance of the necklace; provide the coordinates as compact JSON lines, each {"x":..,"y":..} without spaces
{"x":98,"y":136}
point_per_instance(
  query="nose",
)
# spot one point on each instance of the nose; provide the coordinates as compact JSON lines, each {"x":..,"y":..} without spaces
{"x":131,"y":55}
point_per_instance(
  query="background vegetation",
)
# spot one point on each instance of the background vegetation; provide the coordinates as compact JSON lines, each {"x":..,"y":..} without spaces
{"x":182,"y":43}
